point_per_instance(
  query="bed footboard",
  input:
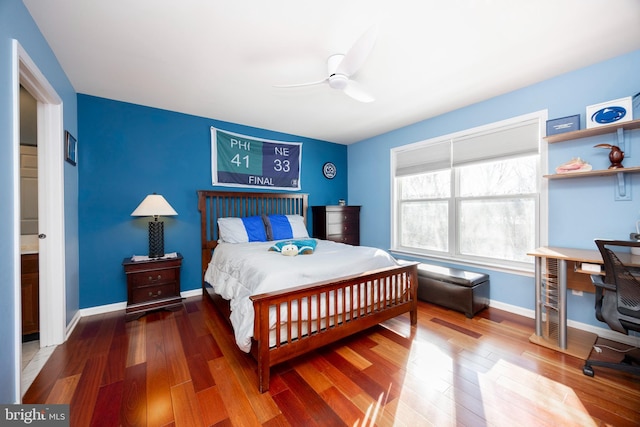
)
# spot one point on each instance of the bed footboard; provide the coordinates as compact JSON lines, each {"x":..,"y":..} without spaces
{"x":309,"y":317}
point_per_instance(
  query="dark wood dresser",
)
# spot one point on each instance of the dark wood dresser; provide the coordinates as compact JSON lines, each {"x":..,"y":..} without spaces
{"x":337,"y":223}
{"x":30,"y":294}
{"x":152,"y":285}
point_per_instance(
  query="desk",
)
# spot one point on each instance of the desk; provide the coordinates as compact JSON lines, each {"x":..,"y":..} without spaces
{"x":552,"y":279}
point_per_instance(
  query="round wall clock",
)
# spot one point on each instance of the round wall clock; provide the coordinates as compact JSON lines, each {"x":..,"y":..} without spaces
{"x":329,"y":170}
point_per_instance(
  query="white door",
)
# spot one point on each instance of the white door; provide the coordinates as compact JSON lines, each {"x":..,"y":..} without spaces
{"x":51,"y":200}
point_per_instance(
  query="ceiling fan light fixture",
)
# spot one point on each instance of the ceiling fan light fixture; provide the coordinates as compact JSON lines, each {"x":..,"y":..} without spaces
{"x":341,"y":67}
{"x":338,"y":81}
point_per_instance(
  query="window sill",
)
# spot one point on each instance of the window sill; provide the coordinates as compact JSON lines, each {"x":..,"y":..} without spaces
{"x":420,"y":257}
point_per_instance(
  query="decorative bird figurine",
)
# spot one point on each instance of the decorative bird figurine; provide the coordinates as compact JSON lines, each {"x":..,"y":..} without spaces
{"x":616,"y":155}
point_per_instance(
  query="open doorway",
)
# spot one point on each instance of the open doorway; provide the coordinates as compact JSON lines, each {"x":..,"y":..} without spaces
{"x":51,"y":244}
{"x":29,"y":257}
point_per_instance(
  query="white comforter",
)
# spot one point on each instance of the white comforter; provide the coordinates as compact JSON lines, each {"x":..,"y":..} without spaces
{"x":239,"y":270}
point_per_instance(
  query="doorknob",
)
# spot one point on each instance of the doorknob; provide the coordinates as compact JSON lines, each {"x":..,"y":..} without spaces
{"x":42,"y":236}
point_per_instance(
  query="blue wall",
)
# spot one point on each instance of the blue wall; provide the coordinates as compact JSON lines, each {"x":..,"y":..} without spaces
{"x":16,"y":23}
{"x":127,"y":151}
{"x":579,"y":209}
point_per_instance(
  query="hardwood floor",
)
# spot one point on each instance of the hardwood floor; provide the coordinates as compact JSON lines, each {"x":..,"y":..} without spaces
{"x":183,"y":368}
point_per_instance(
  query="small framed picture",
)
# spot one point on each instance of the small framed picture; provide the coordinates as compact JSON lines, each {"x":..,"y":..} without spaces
{"x":71,"y":149}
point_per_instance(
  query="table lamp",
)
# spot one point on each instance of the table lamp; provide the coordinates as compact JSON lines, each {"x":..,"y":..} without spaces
{"x":155,"y":205}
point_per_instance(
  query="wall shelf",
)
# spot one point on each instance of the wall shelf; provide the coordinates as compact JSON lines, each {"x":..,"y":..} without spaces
{"x":621,"y":181}
{"x":622,"y":174}
{"x":603,"y":172}
{"x":586,"y":133}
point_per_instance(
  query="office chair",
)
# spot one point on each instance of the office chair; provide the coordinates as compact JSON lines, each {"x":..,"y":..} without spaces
{"x":618,"y":299}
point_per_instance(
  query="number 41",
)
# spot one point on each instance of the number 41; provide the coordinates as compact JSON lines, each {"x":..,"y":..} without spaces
{"x":237,"y":161}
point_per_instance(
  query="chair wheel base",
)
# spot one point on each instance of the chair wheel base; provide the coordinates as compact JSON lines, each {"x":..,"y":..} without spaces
{"x":588,"y":370}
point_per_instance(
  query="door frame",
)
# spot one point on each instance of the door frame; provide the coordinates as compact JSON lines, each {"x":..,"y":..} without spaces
{"x":52,"y":277}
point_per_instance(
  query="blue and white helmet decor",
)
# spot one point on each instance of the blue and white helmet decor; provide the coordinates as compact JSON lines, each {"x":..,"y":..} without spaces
{"x":609,"y":115}
{"x":610,"y":112}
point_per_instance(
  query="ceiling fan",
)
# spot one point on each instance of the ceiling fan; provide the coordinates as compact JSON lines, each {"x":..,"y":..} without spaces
{"x":341,"y":68}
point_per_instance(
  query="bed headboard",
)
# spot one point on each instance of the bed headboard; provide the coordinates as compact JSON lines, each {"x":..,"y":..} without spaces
{"x":218,"y":204}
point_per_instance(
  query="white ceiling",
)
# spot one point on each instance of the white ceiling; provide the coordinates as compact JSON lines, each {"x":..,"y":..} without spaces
{"x":220,"y":59}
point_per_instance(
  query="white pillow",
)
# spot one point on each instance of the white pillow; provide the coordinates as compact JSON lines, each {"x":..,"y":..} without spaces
{"x":242,"y":230}
{"x":298,"y":227}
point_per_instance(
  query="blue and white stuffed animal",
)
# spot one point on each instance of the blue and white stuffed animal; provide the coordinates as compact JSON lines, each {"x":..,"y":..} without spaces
{"x":289,"y":250}
{"x":295,"y":247}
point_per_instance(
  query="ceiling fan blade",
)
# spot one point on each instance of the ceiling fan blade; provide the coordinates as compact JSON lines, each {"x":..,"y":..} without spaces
{"x":358,"y":53}
{"x":304,"y":84}
{"x":357,"y":92}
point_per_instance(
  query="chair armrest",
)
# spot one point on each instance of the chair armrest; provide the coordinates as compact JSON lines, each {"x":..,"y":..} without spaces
{"x":598,"y":281}
{"x":601,"y":286}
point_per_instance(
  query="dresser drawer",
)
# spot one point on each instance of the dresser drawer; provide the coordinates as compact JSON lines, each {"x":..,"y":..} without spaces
{"x":350,"y":239}
{"x":342,"y":228}
{"x":156,"y":277}
{"x":342,"y":217}
{"x":154,"y":292}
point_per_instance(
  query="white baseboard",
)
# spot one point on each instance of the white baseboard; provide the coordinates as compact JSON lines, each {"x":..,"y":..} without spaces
{"x":101,"y":309}
{"x":72,"y":325}
{"x":525,"y":312}
{"x":191,"y":293}
{"x":607,"y":333}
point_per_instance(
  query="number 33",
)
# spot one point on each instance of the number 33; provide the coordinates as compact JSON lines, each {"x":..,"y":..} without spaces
{"x":281,"y":165}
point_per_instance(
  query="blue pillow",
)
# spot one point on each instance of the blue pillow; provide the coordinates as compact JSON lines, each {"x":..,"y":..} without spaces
{"x":255,"y":228}
{"x":286,"y":227}
{"x":280,"y":227}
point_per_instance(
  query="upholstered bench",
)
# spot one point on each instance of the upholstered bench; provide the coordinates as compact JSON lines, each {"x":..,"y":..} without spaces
{"x":459,"y":290}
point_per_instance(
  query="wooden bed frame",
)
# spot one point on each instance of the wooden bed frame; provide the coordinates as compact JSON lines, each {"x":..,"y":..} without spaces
{"x":388,"y":292}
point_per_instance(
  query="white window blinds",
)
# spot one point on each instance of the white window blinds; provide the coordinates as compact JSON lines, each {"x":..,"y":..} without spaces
{"x":510,"y":141}
{"x":428,"y":158}
{"x":506,"y":141}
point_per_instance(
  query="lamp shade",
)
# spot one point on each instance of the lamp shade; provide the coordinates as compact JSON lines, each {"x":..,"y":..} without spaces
{"x":154,"y":205}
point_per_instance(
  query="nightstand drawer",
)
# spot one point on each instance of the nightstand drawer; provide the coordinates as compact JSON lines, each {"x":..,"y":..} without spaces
{"x":149,"y":293}
{"x":152,"y":285}
{"x":156,"y":277}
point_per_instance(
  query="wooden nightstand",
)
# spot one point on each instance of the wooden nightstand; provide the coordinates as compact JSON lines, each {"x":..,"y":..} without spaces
{"x":152,"y":285}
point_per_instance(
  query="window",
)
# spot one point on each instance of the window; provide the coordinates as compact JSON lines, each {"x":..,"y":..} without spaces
{"x":472,"y":197}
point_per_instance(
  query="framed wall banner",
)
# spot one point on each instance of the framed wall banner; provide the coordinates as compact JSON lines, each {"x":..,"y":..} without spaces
{"x":243,"y":161}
